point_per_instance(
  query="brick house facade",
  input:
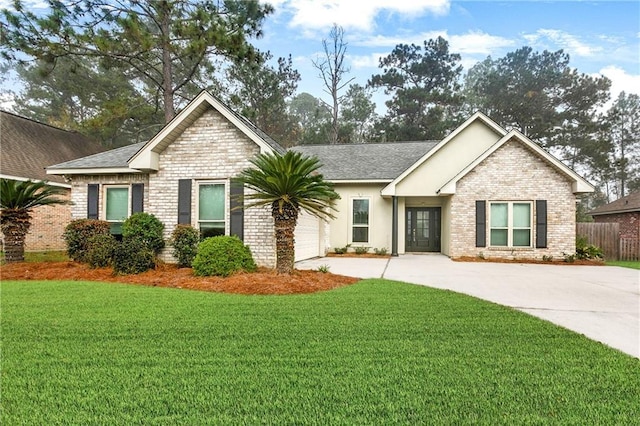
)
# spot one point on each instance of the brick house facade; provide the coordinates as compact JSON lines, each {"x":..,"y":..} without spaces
{"x":480,"y":191}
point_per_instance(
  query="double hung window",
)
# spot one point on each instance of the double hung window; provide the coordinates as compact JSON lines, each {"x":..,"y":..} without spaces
{"x":510,"y":224}
{"x":211,"y":209}
{"x":360,"y":220}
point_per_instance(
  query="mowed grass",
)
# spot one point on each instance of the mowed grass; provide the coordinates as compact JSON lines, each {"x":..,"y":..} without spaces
{"x":41,"y":256}
{"x":633,"y":264}
{"x":377,"y":352}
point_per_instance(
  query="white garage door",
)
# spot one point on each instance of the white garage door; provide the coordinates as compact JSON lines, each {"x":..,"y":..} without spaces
{"x":307,"y":237}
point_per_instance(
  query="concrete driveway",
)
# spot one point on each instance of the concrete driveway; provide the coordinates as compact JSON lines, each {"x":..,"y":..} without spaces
{"x":601,"y":302}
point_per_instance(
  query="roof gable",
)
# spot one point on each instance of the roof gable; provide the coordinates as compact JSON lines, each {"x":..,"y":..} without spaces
{"x":147,"y":158}
{"x":579,"y":185}
{"x":28,"y":147}
{"x":629,"y":203}
{"x":491,"y":132}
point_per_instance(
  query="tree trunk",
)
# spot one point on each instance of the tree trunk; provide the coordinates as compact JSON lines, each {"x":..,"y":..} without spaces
{"x":167,"y":66}
{"x":15,"y":225}
{"x":285,"y":225}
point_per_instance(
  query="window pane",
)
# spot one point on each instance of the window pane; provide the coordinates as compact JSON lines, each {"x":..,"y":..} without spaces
{"x":499,"y":215}
{"x":361,"y":234}
{"x":360,"y":212}
{"x":499,"y":237}
{"x":117,"y":204}
{"x":212,"y":229}
{"x":521,"y":238}
{"x":521,"y":215}
{"x":211,"y":202}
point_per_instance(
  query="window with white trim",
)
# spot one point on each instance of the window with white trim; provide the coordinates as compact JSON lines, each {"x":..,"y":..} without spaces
{"x":510,"y":224}
{"x":211,"y":209}
{"x":360,"y":220}
{"x":116,"y":206}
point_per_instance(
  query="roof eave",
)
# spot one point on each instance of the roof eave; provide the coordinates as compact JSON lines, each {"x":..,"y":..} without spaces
{"x":93,"y":171}
{"x":631,"y":210}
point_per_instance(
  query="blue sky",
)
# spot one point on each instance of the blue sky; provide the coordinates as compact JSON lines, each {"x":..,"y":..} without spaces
{"x":601,"y":37}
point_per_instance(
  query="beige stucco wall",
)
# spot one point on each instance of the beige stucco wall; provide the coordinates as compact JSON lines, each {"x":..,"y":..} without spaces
{"x":379,"y":217}
{"x":448,"y":161}
{"x":514,"y":173}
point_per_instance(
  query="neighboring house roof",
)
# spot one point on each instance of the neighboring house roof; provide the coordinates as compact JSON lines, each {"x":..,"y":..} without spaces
{"x":366,"y":162}
{"x":28,"y":147}
{"x":114,"y":159}
{"x":630,"y":203}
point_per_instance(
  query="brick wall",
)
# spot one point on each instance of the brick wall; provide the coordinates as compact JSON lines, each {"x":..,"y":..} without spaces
{"x":47,"y":227}
{"x":514,"y":173}
{"x":629,"y":223}
{"x":79,"y":189}
{"x":211,"y":149}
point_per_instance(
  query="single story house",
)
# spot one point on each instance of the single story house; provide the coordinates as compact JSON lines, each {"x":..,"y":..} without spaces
{"x":28,"y":147}
{"x":480,"y":191}
{"x":624,"y":211}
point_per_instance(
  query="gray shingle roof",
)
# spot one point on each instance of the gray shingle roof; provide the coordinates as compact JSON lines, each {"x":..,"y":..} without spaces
{"x":366,"y":161}
{"x":115,"y":158}
{"x":630,"y":203}
{"x":28,"y":147}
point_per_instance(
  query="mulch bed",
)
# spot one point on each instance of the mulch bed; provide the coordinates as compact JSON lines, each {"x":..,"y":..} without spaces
{"x":264,"y":281}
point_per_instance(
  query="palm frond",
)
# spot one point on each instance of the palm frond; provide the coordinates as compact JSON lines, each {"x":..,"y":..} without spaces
{"x":26,"y":195}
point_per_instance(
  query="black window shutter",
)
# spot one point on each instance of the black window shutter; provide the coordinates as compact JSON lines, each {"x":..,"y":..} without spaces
{"x":481,"y":223}
{"x":93,"y":191}
{"x":237,"y":208}
{"x":184,"y":201}
{"x":541,"y":223}
{"x":137,"y":198}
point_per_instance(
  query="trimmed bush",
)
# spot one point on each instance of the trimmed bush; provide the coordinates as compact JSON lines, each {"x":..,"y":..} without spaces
{"x":78,"y":233}
{"x":222,"y":256}
{"x":146,"y":228}
{"x":184,"y":239}
{"x":101,"y":250}
{"x":132,"y":256}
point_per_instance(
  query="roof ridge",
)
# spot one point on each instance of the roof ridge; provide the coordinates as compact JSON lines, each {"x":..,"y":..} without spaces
{"x":44,"y":124}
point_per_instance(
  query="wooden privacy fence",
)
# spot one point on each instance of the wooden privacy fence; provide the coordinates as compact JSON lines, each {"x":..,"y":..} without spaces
{"x":607,"y":237}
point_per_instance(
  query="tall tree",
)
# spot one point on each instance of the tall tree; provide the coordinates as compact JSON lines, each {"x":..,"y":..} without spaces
{"x":623,"y":124}
{"x":17,"y":201}
{"x":357,"y":114}
{"x":262,"y":93}
{"x":77,"y":94}
{"x":313,"y":117}
{"x":288,"y":184}
{"x":164,"y":45}
{"x":332,"y":72}
{"x":423,"y":82}
{"x":538,"y":94}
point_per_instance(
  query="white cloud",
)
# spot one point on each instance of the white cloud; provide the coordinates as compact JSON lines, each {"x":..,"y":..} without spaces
{"x":366,"y":61}
{"x":560,"y":39}
{"x":478,"y":43}
{"x":621,"y":81}
{"x":359,"y":15}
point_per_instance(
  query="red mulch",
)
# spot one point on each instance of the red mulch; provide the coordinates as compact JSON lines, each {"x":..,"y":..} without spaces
{"x":264,"y":281}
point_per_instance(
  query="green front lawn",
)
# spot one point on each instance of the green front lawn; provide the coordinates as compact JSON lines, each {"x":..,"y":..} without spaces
{"x":378,"y":352}
{"x":633,"y":264}
{"x":42,"y":256}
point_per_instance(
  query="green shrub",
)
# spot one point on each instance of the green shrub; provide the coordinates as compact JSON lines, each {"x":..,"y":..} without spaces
{"x":184,"y":239}
{"x":146,"y":228}
{"x":584,"y":250}
{"x":342,"y":250}
{"x":132,"y":256}
{"x":222,"y":256}
{"x":101,"y":250}
{"x":380,"y":251}
{"x":78,"y":233}
{"x":361,"y":250}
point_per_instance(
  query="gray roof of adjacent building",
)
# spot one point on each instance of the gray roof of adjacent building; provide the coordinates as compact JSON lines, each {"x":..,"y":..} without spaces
{"x":366,"y":161}
{"x":28,"y":147}
{"x":629,"y":203}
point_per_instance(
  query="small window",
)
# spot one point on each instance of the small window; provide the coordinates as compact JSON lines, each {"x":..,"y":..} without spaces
{"x":360,"y":220}
{"x":510,"y":224}
{"x":211,"y":209}
{"x":116,"y":207}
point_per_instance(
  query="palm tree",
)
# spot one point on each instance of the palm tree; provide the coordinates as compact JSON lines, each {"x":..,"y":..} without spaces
{"x":17,"y":200}
{"x":288,"y":183}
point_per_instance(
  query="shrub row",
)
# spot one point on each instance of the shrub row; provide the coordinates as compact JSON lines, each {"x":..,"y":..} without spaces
{"x":89,"y":241}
